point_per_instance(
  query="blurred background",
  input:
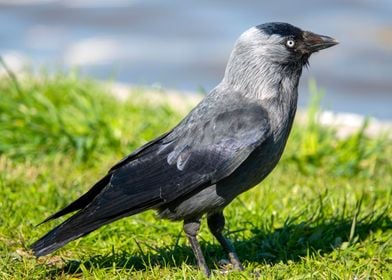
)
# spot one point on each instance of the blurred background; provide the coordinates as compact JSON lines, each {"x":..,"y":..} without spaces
{"x":184,"y":45}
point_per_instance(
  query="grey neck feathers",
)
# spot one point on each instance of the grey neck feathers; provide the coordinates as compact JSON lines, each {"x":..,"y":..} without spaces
{"x":273,"y":85}
{"x":258,"y":77}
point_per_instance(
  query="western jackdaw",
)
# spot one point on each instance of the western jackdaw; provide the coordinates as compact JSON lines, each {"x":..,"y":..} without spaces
{"x":226,"y":145}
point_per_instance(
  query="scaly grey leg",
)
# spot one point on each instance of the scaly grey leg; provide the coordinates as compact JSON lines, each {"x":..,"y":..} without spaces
{"x":191,"y":229}
{"x":216,"y":223}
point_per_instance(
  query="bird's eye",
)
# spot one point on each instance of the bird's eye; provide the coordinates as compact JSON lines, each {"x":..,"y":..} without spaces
{"x":290,"y":43}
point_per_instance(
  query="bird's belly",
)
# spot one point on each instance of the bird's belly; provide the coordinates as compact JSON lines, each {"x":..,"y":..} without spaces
{"x":194,"y":205}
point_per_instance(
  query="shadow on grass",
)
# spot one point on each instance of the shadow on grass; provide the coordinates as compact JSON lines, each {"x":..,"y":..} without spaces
{"x":289,"y":243}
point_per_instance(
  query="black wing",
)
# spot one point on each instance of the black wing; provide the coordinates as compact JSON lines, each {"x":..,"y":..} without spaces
{"x":89,"y":196}
{"x":199,"y":152}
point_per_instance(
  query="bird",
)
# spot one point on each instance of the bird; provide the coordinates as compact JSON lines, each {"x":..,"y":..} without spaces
{"x":225,"y":146}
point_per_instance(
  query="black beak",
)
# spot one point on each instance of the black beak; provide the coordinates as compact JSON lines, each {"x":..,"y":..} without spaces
{"x":315,"y":42}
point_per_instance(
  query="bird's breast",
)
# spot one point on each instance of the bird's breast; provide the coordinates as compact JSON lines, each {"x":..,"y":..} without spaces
{"x":265,"y":157}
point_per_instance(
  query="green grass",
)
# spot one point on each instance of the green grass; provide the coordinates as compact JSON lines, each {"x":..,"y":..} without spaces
{"x":324,"y":212}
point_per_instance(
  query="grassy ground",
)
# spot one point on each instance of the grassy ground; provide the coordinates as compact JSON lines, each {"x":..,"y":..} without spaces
{"x":324,"y":213}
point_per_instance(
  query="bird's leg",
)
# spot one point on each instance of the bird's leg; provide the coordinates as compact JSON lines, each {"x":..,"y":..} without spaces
{"x":216,"y":223}
{"x":191,"y":229}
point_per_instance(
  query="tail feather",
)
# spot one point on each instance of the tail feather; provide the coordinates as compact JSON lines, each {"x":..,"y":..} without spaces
{"x":69,"y":230}
{"x":79,"y":225}
{"x":82,"y":201}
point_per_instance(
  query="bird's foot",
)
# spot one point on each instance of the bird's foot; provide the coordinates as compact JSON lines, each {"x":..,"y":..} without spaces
{"x":235,"y":261}
{"x":228,"y":265}
{"x":224,"y":263}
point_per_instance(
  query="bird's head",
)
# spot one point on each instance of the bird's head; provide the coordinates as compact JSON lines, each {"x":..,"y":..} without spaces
{"x":265,"y":53}
{"x":282,"y":43}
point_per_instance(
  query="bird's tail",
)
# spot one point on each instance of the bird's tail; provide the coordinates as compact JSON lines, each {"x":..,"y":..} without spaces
{"x":73,"y":228}
{"x":80,"y":224}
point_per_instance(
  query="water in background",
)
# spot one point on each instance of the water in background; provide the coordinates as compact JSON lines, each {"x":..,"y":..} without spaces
{"x":185,"y":44}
